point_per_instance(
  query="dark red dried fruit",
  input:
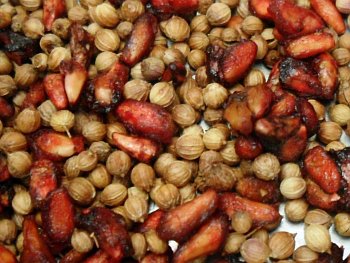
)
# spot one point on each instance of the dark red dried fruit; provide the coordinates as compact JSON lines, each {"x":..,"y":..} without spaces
{"x":54,"y":88}
{"x":81,"y":45}
{"x":17,"y":47}
{"x":258,"y":190}
{"x":310,"y":45}
{"x":75,"y":76}
{"x":58,"y":216}
{"x":6,"y":256}
{"x":263,"y":215}
{"x":73,"y":256}
{"x":260,"y":8}
{"x":34,"y":247}
{"x":229,"y":65}
{"x":55,"y":146}
{"x":142,"y":149}
{"x":146,"y":119}
{"x":207,"y":241}
{"x":106,"y":89}
{"x":322,"y":169}
{"x":152,"y":221}
{"x":110,"y":231}
{"x":308,"y":116}
{"x":34,"y":96}
{"x":43,"y":180}
{"x":141,"y":40}
{"x":248,"y":147}
{"x":284,"y":105}
{"x":318,"y":198}
{"x":178,"y":223}
{"x":6,"y":109}
{"x":327,"y":72}
{"x":330,"y":14}
{"x":294,"y":21}
{"x":299,"y":76}
{"x":53,"y":9}
{"x":178,"y":7}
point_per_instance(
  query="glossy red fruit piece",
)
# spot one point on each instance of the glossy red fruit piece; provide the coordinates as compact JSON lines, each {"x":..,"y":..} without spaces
{"x":322,"y":169}
{"x":207,"y":241}
{"x":43,"y":180}
{"x":310,"y":45}
{"x":327,"y":72}
{"x":178,"y":223}
{"x":318,"y":198}
{"x":236,"y":61}
{"x":330,"y":14}
{"x":34,"y":247}
{"x":4,"y":172}
{"x":75,"y":76}
{"x":142,"y":149}
{"x":58,"y":216}
{"x":293,"y":21}
{"x":141,"y":39}
{"x":54,"y":88}
{"x":175,"y":72}
{"x":248,"y":147}
{"x":297,"y":76}
{"x":263,"y":215}
{"x":53,"y":9}
{"x":35,"y":95}
{"x":48,"y":144}
{"x":81,"y":45}
{"x":6,"y":256}
{"x":146,"y":119}
{"x":284,"y":105}
{"x":308,"y":116}
{"x":175,"y":6}
{"x":73,"y":256}
{"x":110,"y":232}
{"x":260,"y":8}
{"x":152,"y":221}
{"x":258,"y":190}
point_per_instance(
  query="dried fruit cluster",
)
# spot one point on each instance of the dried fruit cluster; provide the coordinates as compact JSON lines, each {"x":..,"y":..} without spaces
{"x":111,"y":108}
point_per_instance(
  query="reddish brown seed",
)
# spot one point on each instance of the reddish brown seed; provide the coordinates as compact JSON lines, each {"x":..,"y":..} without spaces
{"x":318,"y":198}
{"x":35,"y":95}
{"x":54,"y":88}
{"x":293,"y":21}
{"x":34,"y":247}
{"x":248,"y":147}
{"x":141,"y":39}
{"x":53,"y":9}
{"x":139,"y":148}
{"x":152,"y":221}
{"x":310,"y":45}
{"x":258,"y":190}
{"x":58,"y":216}
{"x":178,"y":223}
{"x":155,"y":258}
{"x":6,"y":256}
{"x":322,"y":169}
{"x":175,"y":6}
{"x":100,"y":257}
{"x":43,"y":180}
{"x":260,"y":8}
{"x":146,"y":119}
{"x":261,"y":214}
{"x":73,"y":256}
{"x":208,"y":240}
{"x":329,"y":13}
